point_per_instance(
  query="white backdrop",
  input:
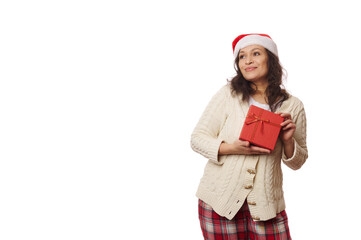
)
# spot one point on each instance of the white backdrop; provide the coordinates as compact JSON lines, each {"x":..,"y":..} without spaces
{"x":98,"y":100}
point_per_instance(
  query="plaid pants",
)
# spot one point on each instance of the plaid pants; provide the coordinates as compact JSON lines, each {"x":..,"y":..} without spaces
{"x":242,"y":226}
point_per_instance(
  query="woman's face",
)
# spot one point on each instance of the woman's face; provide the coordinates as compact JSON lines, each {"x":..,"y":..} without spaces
{"x":253,"y":61}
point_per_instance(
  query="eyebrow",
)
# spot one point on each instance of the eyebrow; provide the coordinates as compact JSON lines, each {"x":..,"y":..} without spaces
{"x":251,"y":50}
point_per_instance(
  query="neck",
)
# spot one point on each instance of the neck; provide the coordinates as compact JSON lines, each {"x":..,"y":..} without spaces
{"x":260,"y":87}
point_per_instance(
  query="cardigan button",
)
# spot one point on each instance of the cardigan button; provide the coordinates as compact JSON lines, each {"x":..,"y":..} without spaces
{"x":251,"y":171}
{"x":255,"y":218}
{"x":248,"y":187}
{"x":251,"y":203}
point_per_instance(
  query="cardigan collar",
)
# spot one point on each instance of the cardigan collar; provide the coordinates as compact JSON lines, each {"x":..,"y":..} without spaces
{"x":244,"y":105}
{"x":237,"y":97}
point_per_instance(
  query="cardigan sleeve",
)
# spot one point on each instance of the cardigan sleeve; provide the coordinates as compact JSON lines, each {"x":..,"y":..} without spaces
{"x":205,"y":137}
{"x":300,"y":153}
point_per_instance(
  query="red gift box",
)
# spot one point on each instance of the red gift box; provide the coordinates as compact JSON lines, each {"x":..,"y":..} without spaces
{"x":261,"y":127}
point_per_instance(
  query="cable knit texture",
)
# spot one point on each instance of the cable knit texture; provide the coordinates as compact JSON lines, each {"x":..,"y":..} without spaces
{"x":229,"y":180}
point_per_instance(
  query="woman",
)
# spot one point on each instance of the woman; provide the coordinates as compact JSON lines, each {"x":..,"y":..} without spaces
{"x":240,"y":194}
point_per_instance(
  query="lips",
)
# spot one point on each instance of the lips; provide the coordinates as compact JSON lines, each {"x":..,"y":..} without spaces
{"x":249,"y":69}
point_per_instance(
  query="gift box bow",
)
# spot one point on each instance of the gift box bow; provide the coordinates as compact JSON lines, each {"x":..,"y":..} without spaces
{"x":256,"y":119}
{"x":259,"y":119}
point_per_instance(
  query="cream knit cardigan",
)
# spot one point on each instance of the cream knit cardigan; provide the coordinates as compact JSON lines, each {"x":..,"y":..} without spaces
{"x":229,"y":180}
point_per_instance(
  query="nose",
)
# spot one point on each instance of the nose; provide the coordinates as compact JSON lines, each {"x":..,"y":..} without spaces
{"x":249,"y":60}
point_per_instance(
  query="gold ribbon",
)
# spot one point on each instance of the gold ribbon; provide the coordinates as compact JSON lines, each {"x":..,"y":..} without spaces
{"x":257,"y":119}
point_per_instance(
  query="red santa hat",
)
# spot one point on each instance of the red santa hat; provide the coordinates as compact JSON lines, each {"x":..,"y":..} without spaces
{"x":245,"y":40}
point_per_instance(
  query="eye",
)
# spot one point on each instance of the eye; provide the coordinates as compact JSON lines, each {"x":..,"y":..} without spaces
{"x":256,"y":53}
{"x":241,"y":56}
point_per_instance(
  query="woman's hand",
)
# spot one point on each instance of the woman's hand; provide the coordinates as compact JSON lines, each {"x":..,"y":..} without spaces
{"x":288,"y":128}
{"x":241,"y":147}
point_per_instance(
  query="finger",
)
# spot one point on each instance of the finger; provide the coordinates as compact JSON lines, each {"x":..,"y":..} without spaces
{"x":259,"y":150}
{"x":286,"y":122}
{"x":286,"y":115}
{"x":244,"y":143}
{"x":289,"y":126}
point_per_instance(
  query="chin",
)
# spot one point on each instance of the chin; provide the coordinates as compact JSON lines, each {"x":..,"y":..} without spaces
{"x":251,"y":79}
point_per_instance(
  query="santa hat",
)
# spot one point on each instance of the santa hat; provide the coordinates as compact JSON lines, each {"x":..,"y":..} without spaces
{"x":245,"y":40}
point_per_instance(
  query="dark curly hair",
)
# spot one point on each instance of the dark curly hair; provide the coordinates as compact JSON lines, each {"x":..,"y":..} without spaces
{"x":275,"y":92}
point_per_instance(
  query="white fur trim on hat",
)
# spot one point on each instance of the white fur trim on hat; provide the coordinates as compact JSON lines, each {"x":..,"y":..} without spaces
{"x":265,"y":42}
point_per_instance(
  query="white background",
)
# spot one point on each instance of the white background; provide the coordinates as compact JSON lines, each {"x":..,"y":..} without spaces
{"x":98,"y":100}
